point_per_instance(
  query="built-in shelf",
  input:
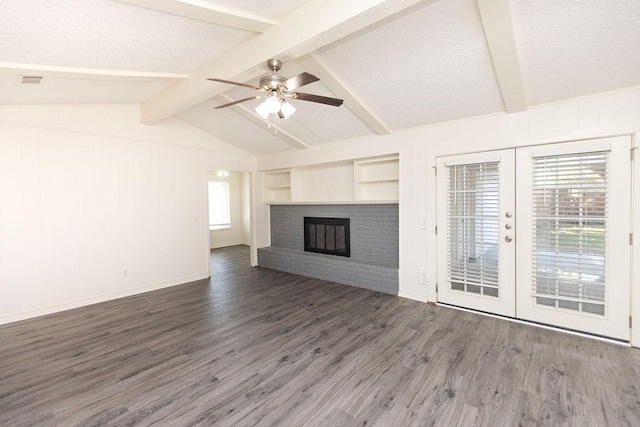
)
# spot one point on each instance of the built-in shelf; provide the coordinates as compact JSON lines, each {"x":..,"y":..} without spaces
{"x":372,"y":180}
{"x":278,"y":186}
{"x":377,"y":178}
{"x":375,"y":181}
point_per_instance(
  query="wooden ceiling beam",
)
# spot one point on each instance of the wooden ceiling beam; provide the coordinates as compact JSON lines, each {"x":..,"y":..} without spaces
{"x":498,"y":28}
{"x":207,"y":12}
{"x":315,"y":24}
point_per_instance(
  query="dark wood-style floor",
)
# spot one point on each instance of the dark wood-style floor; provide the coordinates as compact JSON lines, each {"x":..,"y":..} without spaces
{"x":259,"y":347}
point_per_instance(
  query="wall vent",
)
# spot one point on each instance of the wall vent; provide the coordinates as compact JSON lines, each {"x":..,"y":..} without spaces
{"x":30,"y":80}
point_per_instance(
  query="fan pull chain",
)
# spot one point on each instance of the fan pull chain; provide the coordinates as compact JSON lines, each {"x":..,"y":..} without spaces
{"x":272,"y":125}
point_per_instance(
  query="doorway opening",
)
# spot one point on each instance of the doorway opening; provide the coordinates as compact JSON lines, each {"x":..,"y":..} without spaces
{"x":228,"y":209}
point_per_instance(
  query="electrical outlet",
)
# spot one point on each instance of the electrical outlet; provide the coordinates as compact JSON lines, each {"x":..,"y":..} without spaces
{"x":422,"y":276}
{"x":125,"y":273}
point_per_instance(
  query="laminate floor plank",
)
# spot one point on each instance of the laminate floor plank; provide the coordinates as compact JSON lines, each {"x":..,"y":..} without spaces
{"x":253,"y":346}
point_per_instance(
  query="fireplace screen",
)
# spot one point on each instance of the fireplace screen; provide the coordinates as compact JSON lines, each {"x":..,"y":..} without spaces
{"x":327,"y":236}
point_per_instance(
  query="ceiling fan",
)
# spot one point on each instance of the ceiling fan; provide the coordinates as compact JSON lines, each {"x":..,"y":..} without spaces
{"x":277,"y":89}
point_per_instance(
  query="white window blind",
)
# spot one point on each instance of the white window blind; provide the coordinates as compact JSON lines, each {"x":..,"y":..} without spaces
{"x":570,"y":217}
{"x":473,"y":223}
{"x":219,"y":208}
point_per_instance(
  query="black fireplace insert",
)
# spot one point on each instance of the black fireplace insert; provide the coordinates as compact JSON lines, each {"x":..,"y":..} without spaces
{"x":327,"y":236}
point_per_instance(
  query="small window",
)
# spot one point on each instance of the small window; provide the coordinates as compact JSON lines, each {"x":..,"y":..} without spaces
{"x":219,"y":209}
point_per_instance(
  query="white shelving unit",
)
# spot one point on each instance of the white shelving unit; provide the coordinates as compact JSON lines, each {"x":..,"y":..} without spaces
{"x":370,"y":180}
{"x":377,"y":178}
{"x":278,"y":186}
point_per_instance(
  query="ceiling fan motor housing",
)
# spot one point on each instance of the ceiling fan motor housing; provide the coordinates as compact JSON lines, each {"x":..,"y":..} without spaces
{"x":272,"y":82}
{"x":274,"y":65}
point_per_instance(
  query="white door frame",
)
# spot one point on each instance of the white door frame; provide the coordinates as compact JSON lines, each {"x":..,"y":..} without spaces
{"x":635,"y":251}
{"x":633,"y":305}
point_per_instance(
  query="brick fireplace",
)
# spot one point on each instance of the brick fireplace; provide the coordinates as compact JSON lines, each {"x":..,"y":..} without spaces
{"x":373,"y":237}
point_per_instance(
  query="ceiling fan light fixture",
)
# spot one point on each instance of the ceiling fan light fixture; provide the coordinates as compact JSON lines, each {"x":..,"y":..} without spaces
{"x":287,"y":110}
{"x":272,"y":104}
{"x":262,"y":110}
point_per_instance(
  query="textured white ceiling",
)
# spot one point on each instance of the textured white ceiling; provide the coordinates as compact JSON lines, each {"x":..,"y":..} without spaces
{"x":573,"y":48}
{"x":272,"y":9}
{"x":107,"y":34}
{"x":428,"y":66}
{"x":54,"y":90}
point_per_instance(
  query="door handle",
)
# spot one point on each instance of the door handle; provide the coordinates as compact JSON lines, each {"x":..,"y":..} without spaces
{"x":508,"y":239}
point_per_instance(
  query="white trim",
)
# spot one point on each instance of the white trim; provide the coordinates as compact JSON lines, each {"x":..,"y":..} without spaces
{"x":635,"y":252}
{"x":412,"y":296}
{"x":466,"y":161}
{"x":103,"y":298}
{"x":542,"y":142}
{"x":224,"y":245}
{"x":207,"y":257}
{"x":538,"y":325}
{"x":12,"y":68}
{"x":570,"y":149}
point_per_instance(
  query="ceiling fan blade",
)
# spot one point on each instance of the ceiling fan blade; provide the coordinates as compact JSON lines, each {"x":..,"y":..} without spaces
{"x":317,"y":98}
{"x":300,"y":80}
{"x":235,"y":83}
{"x":236,"y":102}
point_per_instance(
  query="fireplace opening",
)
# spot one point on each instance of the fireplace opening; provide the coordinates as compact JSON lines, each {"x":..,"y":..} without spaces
{"x":327,"y":236}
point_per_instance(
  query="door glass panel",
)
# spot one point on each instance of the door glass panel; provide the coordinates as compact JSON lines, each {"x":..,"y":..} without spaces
{"x":473,"y":223}
{"x":569,"y":221}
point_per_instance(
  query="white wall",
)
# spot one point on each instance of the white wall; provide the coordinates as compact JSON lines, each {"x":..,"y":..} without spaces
{"x":595,"y":116}
{"x":236,"y":234}
{"x":95,"y":206}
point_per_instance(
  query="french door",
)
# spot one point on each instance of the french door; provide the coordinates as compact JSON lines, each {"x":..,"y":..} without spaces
{"x":539,"y":233}
{"x":476,"y":225}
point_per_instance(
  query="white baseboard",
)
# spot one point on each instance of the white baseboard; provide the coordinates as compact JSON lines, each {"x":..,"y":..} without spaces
{"x":76,"y":304}
{"x":224,"y":245}
{"x":411,"y":295}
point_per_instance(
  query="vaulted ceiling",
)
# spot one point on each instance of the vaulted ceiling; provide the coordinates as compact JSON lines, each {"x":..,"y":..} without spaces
{"x":396,"y":63}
